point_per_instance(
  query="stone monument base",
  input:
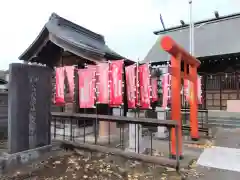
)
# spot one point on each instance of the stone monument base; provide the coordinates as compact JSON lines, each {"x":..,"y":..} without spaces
{"x":162,"y":132}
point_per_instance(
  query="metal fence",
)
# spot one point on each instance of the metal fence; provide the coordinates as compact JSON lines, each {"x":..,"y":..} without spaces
{"x":3,"y":121}
{"x":218,"y":88}
{"x":203,"y":121}
{"x":76,"y":130}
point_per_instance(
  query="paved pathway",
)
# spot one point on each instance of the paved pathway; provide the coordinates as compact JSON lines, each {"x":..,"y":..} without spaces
{"x":224,"y":138}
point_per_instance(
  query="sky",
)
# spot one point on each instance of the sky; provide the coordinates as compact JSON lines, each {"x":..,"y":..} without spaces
{"x":127,"y":25}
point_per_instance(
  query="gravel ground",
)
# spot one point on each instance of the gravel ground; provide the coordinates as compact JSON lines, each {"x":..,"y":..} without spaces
{"x":84,"y":165}
{"x":93,"y":166}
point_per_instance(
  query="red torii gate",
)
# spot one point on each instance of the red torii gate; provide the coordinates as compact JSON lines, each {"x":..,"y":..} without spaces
{"x":178,"y":54}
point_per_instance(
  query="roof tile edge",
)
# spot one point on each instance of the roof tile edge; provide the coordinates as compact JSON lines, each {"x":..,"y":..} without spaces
{"x":208,"y":21}
{"x":55,"y":18}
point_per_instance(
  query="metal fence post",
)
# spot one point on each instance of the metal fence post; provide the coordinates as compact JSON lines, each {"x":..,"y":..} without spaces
{"x":220,"y":91}
{"x":204,"y":93}
{"x":177,"y":146}
{"x":237,"y":83}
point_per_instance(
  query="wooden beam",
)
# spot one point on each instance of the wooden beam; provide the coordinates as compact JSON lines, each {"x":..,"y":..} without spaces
{"x":162,"y":161}
{"x":123,"y":119}
{"x":182,"y":74}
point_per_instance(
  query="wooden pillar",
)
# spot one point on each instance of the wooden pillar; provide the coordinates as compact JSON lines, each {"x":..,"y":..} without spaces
{"x":176,"y":103}
{"x":193,"y":103}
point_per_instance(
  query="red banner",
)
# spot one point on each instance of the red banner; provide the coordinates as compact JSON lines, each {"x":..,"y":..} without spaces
{"x":188,"y":86}
{"x":131,"y":85}
{"x":102,"y":83}
{"x":154,"y":89}
{"x":137,"y":87}
{"x":59,"y":96}
{"x":144,"y":83}
{"x":116,"y":90}
{"x":166,"y":89}
{"x":186,"y":89}
{"x":70,"y":78}
{"x":86,"y":88}
{"x":94,"y":67}
{"x":199,"y":89}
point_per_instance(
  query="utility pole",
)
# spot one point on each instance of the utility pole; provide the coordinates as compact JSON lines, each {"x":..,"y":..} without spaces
{"x":191,"y":29}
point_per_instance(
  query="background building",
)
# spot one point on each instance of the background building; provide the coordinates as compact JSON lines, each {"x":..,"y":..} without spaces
{"x":217,"y":46}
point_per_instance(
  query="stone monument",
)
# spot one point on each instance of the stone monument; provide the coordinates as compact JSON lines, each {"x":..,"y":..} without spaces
{"x":29,"y":104}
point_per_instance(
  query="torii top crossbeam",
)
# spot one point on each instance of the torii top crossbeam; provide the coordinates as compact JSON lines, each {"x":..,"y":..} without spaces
{"x":170,"y":46}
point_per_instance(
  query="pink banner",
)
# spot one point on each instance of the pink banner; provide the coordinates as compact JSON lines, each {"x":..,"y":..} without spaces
{"x":116,"y":89}
{"x":138,"y":95}
{"x":199,"y":89}
{"x":154,"y":89}
{"x":86,"y":88}
{"x":59,"y":96}
{"x":166,"y":89}
{"x":144,"y":83}
{"x":186,"y":89}
{"x":94,"y":67}
{"x":102,"y":83}
{"x":70,"y":78}
{"x":131,"y":85}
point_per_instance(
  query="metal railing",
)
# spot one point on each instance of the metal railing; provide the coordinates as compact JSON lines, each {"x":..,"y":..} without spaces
{"x":202,"y":117}
{"x":76,"y":130}
{"x":203,"y":122}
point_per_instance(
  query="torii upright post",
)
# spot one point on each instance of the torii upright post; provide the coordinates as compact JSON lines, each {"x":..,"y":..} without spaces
{"x":178,"y":54}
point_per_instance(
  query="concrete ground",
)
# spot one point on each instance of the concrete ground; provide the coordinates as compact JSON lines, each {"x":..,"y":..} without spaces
{"x":224,"y":138}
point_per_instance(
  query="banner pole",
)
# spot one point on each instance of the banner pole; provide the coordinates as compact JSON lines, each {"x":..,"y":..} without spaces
{"x":84,"y":109}
{"x":122,"y":107}
{"x":190,"y":27}
{"x":109,"y":109}
{"x":138,"y":108}
{"x":96,"y":104}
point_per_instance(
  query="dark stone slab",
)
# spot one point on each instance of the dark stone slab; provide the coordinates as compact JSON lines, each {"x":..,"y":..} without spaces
{"x":29,"y":103}
{"x":9,"y":162}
